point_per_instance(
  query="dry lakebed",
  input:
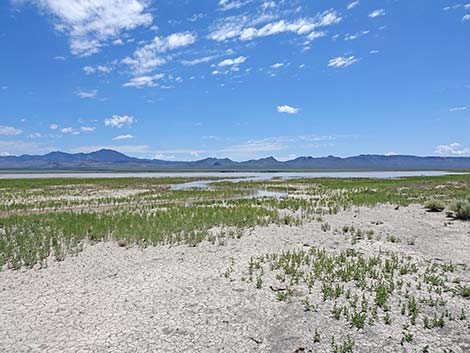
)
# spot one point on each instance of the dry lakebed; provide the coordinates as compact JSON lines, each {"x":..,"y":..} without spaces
{"x":306,"y":265}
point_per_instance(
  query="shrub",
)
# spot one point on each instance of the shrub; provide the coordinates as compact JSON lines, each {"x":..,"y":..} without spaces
{"x":435,"y":206}
{"x":461,"y":209}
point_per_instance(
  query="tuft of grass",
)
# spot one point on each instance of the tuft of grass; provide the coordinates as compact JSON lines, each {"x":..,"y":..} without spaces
{"x":464,"y":292}
{"x":434,"y":205}
{"x":461,"y":209}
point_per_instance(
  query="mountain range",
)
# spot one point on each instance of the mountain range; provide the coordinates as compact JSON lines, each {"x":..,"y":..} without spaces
{"x":109,"y":160}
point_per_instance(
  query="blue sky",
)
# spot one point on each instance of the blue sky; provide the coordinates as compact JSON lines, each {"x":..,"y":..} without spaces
{"x":241,"y":79}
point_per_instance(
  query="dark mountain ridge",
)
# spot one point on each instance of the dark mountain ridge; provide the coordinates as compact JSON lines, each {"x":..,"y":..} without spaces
{"x":106,"y":159}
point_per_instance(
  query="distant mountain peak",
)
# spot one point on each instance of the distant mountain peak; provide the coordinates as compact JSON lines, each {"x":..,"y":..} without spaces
{"x":108,"y":159}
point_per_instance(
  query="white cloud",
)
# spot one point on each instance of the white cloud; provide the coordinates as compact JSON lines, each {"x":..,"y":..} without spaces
{"x":466,"y":18}
{"x":352,"y":5}
{"x":377,"y":13}
{"x":144,"y":81}
{"x":87,"y":94}
{"x":287,"y":109}
{"x":67,"y":130}
{"x":314,"y":35}
{"x":454,"y":7}
{"x":196,"y":17}
{"x":244,"y":28}
{"x":92,"y":23}
{"x":87,"y":128}
{"x":9,"y":131}
{"x":119,"y":121}
{"x":53,"y":126}
{"x":232,"y":4}
{"x":268,"y":5}
{"x":88,"y":70}
{"x":123,"y":137}
{"x":356,"y":35}
{"x":35,"y":135}
{"x":454,"y":149}
{"x":232,"y":62}
{"x":253,"y":147}
{"x":342,"y":61}
{"x":277,"y":65}
{"x":148,"y":57}
{"x":458,"y":109}
{"x":202,"y":60}
{"x":164,"y":156}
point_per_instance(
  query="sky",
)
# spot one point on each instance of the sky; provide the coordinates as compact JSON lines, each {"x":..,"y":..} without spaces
{"x":243,"y":79}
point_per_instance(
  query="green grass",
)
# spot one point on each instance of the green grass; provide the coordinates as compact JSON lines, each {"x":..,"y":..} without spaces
{"x":27,"y":240}
{"x":461,"y":209}
{"x":43,"y":217}
{"x":355,"y":290}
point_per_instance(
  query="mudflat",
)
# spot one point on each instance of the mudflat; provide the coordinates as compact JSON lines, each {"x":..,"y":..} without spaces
{"x":362,"y":278}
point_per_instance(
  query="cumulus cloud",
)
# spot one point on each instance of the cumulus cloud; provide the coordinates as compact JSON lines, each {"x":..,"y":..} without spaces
{"x":53,"y":126}
{"x":377,"y":13}
{"x":9,"y":131}
{"x":123,"y":137}
{"x":287,"y":109}
{"x":148,"y":57}
{"x":144,"y":81}
{"x":454,"y":149}
{"x":466,"y":18}
{"x":90,"y":24}
{"x":341,"y":61}
{"x":119,"y":121}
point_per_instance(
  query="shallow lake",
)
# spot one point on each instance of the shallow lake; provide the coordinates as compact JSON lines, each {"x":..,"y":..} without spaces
{"x":232,"y":176}
{"x":237,"y":175}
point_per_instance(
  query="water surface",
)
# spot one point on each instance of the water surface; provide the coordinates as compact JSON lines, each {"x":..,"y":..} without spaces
{"x":236,"y":175}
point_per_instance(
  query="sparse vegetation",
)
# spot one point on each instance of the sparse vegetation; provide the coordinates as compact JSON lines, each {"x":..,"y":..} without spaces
{"x":435,"y":205}
{"x":364,"y":287}
{"x":461,"y":209}
{"x":356,"y":289}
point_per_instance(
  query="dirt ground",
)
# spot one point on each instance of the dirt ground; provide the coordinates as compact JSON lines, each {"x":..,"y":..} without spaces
{"x":177,"y":299}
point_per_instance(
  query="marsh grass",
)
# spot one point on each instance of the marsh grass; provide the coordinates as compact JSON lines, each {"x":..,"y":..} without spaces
{"x":40,"y":218}
{"x":31,"y":239}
